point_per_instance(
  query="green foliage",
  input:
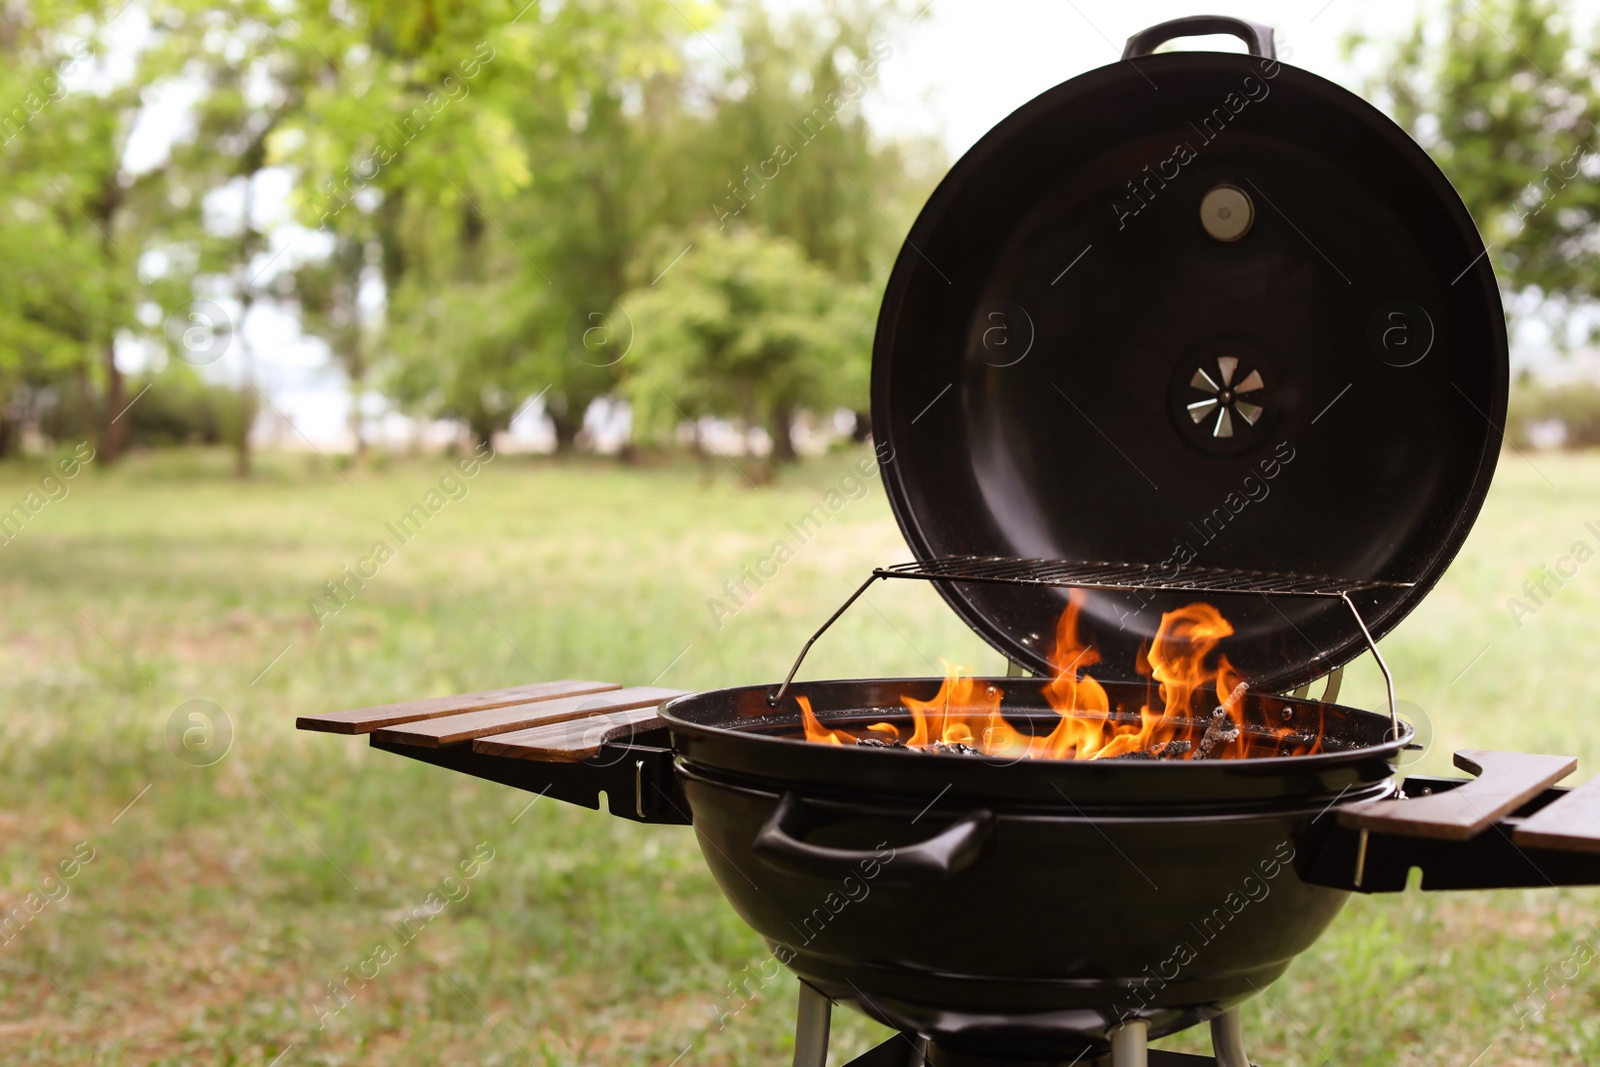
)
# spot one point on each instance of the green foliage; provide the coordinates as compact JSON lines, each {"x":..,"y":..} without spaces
{"x":460,"y":351}
{"x":1575,"y":407}
{"x":1502,"y":95}
{"x":546,"y":165}
{"x":787,"y":153}
{"x":744,"y":326}
{"x":66,"y":264}
{"x":482,"y":180}
{"x":789,"y":149}
{"x":181,"y":408}
{"x":483,"y":254}
{"x":174,"y":406}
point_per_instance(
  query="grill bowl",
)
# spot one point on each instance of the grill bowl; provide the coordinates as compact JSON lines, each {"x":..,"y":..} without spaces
{"x":1099,"y":891}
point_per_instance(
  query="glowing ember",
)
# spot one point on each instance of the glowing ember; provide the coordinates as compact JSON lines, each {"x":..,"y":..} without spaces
{"x":1197,"y":713}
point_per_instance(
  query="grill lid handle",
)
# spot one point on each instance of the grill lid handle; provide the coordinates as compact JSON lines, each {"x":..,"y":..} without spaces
{"x":953,"y":849}
{"x":1256,"y":36}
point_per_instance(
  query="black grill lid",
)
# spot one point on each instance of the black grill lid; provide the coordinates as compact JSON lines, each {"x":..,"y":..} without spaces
{"x":1084,"y":354}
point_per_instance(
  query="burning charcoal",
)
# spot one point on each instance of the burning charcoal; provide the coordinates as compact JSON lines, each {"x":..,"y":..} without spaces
{"x":953,"y":748}
{"x":1219,"y":732}
{"x":1161,"y":750}
{"x":875,"y":742}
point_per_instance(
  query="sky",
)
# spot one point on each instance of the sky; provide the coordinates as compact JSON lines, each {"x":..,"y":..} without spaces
{"x":967,"y":64}
{"x":958,"y":68}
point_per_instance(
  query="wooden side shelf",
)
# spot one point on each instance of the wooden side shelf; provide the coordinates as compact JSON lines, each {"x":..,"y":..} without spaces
{"x":1571,"y":824}
{"x":366,"y":720}
{"x":1505,"y":781}
{"x":593,"y":744}
{"x":468,"y":726}
{"x":572,"y":741}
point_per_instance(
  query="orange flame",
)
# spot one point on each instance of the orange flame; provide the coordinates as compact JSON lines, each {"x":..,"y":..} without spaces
{"x":958,"y":714}
{"x":1200,"y":713}
{"x":815,"y":731}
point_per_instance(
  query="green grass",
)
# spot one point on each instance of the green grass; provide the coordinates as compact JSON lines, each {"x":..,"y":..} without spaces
{"x":219,"y":906}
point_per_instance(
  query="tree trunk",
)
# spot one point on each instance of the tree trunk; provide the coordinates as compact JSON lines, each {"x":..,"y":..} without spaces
{"x":247,"y":418}
{"x":8,"y":434}
{"x":85,"y":416}
{"x":355,"y":427}
{"x":702,"y":454}
{"x":781,"y":428}
{"x":247,"y":394}
{"x":567,"y":426}
{"x":247,"y":294}
{"x":114,"y":434}
{"x":114,"y":430}
{"x":756,"y":469}
{"x":356,"y":421}
{"x":482,"y":432}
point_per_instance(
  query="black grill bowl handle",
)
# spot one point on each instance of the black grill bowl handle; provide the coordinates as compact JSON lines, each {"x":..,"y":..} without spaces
{"x":1257,"y":37}
{"x":953,"y":849}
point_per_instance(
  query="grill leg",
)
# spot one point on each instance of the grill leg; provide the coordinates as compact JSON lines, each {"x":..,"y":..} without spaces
{"x":1227,"y":1040}
{"x":811,"y":1028}
{"x":1130,"y":1044}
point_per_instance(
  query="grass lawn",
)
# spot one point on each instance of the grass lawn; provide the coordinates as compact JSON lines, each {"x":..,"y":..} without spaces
{"x":221,"y":903}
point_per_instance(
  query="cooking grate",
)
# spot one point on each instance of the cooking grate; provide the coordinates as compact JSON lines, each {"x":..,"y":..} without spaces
{"x":1130,"y":577}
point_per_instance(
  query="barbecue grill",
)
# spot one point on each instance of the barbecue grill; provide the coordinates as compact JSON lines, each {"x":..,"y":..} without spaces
{"x":1190,"y":326}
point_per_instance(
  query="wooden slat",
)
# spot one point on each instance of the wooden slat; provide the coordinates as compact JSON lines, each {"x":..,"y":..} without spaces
{"x":366,"y":720}
{"x":455,"y":729}
{"x":572,"y":741}
{"x":1571,"y":824}
{"x":1505,"y":781}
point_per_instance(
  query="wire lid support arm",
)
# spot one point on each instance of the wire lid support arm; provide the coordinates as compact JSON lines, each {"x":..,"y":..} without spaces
{"x":1372,"y":646}
{"x":1122,"y":577}
{"x":783,"y":690}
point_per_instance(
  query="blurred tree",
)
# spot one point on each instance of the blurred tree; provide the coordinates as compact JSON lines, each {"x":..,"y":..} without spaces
{"x":48,"y":273}
{"x":77,"y":219}
{"x":630,"y":143}
{"x":249,"y":67}
{"x":746,"y":328}
{"x":478,"y":185}
{"x":483,"y":256}
{"x":183,"y":408}
{"x":461,"y":351}
{"x":1502,"y":95}
{"x":789,"y":149}
{"x":374,"y":149}
{"x":612,"y":168}
{"x":140,"y":232}
{"x":306,"y":94}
